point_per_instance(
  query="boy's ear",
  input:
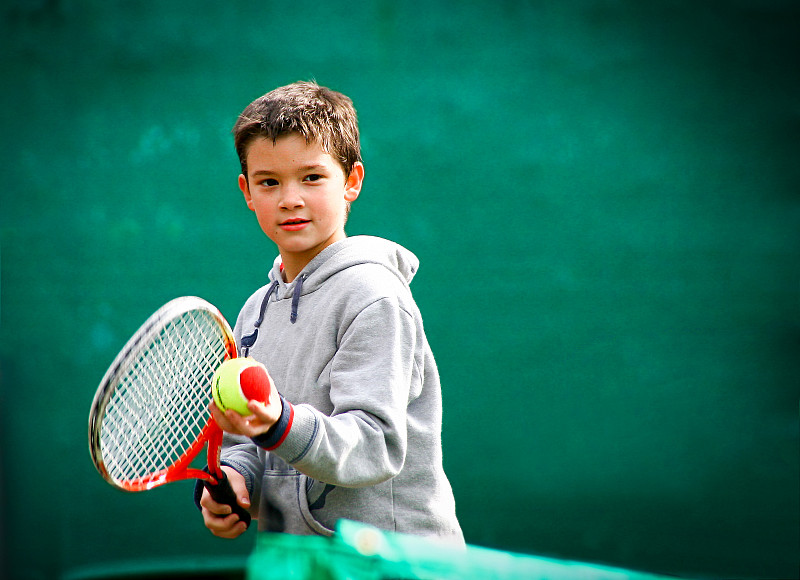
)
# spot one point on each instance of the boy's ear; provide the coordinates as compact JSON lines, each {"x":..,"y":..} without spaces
{"x":245,"y":187}
{"x":352,"y":186}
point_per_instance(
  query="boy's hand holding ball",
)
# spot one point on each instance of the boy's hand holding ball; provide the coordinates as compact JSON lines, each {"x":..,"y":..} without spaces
{"x":239,"y":380}
{"x":243,"y":392}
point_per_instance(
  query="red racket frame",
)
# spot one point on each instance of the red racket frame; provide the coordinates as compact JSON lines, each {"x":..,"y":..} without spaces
{"x":211,"y":434}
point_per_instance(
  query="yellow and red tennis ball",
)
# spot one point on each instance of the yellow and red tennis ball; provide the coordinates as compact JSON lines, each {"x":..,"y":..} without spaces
{"x":239,"y":380}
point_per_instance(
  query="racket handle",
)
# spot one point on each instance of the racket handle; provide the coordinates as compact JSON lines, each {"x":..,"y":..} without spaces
{"x":223,"y":493}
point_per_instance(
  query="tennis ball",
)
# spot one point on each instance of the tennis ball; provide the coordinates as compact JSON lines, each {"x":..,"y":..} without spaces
{"x":237,"y":381}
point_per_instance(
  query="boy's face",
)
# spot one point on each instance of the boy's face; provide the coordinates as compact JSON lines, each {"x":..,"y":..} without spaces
{"x":299,"y":194}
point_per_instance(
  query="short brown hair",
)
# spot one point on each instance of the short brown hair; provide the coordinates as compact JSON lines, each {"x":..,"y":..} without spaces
{"x":317,"y":113}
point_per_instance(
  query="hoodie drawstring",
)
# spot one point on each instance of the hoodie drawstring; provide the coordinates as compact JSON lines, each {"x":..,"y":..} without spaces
{"x":298,"y":288}
{"x":249,"y":340}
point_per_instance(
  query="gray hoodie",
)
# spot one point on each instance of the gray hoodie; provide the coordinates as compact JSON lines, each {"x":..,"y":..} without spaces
{"x":360,"y":433}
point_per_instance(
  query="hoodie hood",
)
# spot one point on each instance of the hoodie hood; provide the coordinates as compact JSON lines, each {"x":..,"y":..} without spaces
{"x":337,"y":257}
{"x":344,"y":254}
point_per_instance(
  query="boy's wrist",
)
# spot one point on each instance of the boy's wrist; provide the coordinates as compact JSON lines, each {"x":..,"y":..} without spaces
{"x":275,"y":435}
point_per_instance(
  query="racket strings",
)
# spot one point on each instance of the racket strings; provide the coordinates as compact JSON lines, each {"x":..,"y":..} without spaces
{"x":160,"y":405}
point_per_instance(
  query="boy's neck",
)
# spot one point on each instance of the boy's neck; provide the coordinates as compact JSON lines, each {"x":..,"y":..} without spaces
{"x":287,"y":277}
{"x":288,"y":273}
{"x":293,"y":265}
{"x":294,"y":262}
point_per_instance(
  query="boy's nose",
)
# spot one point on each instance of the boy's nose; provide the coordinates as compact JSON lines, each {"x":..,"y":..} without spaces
{"x":291,"y":198}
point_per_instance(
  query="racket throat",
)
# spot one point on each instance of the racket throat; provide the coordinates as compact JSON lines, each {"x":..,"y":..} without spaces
{"x":214,"y":434}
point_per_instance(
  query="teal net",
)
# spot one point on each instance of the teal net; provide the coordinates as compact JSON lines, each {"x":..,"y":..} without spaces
{"x":360,"y":552}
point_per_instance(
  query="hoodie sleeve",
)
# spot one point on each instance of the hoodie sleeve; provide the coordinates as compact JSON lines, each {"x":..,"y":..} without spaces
{"x":240,"y":453}
{"x":363,"y":442}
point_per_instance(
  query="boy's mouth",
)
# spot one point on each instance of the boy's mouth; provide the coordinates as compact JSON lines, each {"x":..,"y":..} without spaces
{"x":294,"y":224}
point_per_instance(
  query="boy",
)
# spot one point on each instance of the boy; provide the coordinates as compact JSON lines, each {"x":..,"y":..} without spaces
{"x":354,"y":428}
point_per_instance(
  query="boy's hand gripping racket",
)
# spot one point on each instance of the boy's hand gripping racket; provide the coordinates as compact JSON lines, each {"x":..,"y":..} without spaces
{"x":150,"y":416}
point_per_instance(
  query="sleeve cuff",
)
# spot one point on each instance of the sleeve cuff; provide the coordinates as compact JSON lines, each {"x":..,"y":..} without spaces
{"x":278,"y":432}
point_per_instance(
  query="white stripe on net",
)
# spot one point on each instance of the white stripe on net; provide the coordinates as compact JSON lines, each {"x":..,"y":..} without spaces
{"x":161,"y":405}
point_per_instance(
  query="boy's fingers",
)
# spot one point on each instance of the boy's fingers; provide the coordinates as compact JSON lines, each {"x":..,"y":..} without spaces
{"x":218,"y":509}
{"x":235,"y":418}
{"x":239,"y":486}
{"x":251,"y":426}
{"x":230,"y":420}
{"x":224,"y":527}
{"x":267,"y":413}
{"x":238,"y":423}
{"x":261,"y":419}
{"x":220,"y":417}
{"x":258,"y":409}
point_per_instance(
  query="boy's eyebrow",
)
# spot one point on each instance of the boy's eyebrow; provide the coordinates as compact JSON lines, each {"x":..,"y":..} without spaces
{"x":313,"y":167}
{"x":303,"y":169}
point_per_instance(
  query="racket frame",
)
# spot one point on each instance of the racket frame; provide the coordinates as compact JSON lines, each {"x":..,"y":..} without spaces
{"x":211,"y":432}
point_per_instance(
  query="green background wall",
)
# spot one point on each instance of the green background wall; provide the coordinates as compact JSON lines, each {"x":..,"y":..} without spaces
{"x":604,"y":198}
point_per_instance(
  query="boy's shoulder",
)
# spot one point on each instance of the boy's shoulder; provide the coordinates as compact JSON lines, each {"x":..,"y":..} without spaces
{"x":363,"y":252}
{"x":369,"y":280}
{"x":364,"y":264}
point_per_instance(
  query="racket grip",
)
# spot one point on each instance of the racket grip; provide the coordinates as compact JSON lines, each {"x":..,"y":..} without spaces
{"x":223,"y":493}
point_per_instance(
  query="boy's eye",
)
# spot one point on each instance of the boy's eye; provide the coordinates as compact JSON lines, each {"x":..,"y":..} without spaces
{"x":313,"y":177}
{"x":269,"y":182}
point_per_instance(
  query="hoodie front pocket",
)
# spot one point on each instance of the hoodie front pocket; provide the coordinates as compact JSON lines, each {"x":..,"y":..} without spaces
{"x":284,"y":504}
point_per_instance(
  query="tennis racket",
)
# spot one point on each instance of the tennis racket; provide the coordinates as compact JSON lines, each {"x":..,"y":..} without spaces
{"x":149,"y":419}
